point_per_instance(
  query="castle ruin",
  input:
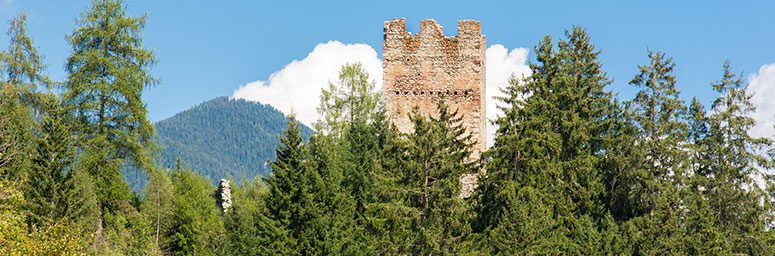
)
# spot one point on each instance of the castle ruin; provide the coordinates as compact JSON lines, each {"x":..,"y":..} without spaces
{"x":422,"y":68}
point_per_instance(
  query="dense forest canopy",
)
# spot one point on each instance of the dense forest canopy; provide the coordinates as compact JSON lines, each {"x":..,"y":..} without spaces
{"x":573,"y":170}
{"x":219,"y":138}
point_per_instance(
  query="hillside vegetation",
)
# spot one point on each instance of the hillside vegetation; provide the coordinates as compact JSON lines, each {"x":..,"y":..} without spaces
{"x":219,"y":138}
{"x":573,"y":169}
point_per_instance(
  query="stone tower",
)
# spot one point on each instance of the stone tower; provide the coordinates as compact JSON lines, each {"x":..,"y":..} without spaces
{"x":419,"y":69}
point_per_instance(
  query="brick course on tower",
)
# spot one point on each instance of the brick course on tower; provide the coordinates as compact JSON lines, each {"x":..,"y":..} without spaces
{"x":419,"y":69}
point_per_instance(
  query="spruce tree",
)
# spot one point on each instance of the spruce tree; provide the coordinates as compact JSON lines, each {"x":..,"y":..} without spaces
{"x":438,"y":152}
{"x":550,"y":142}
{"x":250,"y":228}
{"x":654,"y":180}
{"x":50,"y":186}
{"x":293,"y":188}
{"x":346,"y":150}
{"x":733,"y":163}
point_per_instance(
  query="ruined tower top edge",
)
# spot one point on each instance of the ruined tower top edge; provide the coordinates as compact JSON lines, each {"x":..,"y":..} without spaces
{"x":430,"y":26}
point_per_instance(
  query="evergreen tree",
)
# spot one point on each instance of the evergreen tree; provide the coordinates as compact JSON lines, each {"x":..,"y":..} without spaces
{"x":733,"y":163}
{"x":351,"y":100}
{"x":84,"y":202}
{"x":658,"y":113}
{"x":652,"y":183}
{"x":703,"y":236}
{"x":550,"y":141}
{"x":438,"y":153}
{"x":348,"y":112}
{"x":107,"y":73}
{"x":294,"y":193}
{"x":22,"y":65}
{"x":50,"y":189}
{"x":345,"y":153}
{"x":250,"y":228}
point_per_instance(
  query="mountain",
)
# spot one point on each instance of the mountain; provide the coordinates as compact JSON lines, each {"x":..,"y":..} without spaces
{"x":219,"y":138}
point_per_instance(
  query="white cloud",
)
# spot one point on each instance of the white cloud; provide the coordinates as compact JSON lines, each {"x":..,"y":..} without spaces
{"x":762,"y":85}
{"x":501,"y":64}
{"x":297,"y":86}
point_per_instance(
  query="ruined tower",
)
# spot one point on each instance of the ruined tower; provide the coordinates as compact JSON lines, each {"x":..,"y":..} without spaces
{"x":419,"y":69}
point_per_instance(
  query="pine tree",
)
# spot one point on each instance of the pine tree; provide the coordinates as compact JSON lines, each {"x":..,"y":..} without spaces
{"x":351,"y":100}
{"x":348,"y":115}
{"x":346,"y":150}
{"x":107,"y":73}
{"x":658,"y":113}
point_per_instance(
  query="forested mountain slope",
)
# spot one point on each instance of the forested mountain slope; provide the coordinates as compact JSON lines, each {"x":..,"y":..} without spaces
{"x":219,"y":137}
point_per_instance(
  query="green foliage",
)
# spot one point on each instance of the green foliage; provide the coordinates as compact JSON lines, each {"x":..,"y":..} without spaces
{"x":732,"y":164}
{"x":13,"y":229}
{"x":573,"y":170}
{"x":21,"y":71}
{"x":107,"y":73}
{"x":218,"y":138}
{"x":437,"y":154}
{"x":351,"y":100}
{"x":57,"y":238}
{"x":197,"y":228}
{"x":50,"y":187}
{"x":251,"y":229}
{"x":157,"y":207}
{"x":551,"y":142}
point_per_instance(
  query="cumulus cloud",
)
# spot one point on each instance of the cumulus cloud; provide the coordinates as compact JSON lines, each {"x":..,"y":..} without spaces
{"x":762,"y":85}
{"x":501,"y":65}
{"x":296,"y":88}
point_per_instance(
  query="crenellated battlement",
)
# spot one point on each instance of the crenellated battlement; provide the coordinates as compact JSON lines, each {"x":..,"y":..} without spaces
{"x":430,"y":26}
{"x":419,"y":69}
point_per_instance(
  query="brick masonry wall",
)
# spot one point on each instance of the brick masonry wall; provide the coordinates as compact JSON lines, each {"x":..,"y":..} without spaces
{"x":419,"y":69}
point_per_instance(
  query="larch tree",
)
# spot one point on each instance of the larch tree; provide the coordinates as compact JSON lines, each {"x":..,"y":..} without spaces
{"x":106,"y":75}
{"x":157,"y":206}
{"x":21,"y":68}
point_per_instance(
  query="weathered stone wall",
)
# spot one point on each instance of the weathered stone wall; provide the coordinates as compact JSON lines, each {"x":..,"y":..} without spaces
{"x":419,"y":69}
{"x":223,"y":195}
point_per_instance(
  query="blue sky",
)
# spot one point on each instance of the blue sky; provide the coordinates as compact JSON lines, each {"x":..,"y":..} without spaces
{"x":212,"y":48}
